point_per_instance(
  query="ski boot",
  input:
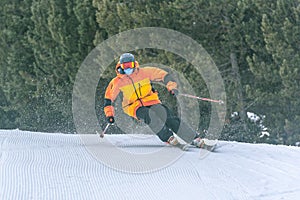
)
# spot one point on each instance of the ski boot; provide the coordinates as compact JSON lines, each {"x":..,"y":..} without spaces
{"x":209,"y":145}
{"x":174,"y":142}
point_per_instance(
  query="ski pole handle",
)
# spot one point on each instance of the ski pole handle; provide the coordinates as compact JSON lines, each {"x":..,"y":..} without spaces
{"x":202,"y":99}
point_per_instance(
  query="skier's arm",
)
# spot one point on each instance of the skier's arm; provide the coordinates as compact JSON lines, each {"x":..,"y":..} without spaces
{"x":111,"y":94}
{"x":160,"y":75}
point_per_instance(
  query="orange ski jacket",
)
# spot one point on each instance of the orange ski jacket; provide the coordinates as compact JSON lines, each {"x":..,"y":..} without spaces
{"x":136,"y":89}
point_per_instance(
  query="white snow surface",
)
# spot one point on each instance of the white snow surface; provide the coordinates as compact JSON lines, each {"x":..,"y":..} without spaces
{"x":61,"y":166}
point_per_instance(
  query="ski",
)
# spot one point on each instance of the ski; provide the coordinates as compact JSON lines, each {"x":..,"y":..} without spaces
{"x":209,"y":147}
{"x":183,"y":147}
{"x":206,"y":144}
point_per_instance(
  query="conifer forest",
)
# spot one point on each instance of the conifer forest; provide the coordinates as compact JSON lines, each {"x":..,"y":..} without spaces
{"x":255,"y":45}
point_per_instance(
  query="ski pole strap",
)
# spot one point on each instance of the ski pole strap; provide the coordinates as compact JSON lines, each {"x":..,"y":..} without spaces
{"x":202,"y":98}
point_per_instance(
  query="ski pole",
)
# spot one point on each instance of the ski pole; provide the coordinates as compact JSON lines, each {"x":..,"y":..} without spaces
{"x":202,"y":99}
{"x":104,"y":131}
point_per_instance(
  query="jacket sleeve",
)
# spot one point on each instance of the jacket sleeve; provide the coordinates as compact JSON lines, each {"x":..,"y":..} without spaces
{"x":111,"y":93}
{"x":160,"y":75}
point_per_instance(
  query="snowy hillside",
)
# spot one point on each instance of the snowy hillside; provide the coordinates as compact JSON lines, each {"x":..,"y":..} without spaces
{"x":59,"y":166}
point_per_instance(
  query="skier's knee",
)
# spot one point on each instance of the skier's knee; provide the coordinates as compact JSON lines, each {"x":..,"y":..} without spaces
{"x":164,"y":134}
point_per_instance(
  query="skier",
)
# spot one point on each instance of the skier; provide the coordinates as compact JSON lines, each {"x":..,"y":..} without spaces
{"x":142,"y":102}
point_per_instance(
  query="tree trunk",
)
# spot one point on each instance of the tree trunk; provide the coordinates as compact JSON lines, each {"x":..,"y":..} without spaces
{"x":239,"y":88}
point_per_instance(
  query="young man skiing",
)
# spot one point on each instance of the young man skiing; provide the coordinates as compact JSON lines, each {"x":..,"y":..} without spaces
{"x":141,"y":101}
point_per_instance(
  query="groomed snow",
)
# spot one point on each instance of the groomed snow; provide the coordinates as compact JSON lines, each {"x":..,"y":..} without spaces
{"x":59,"y":166}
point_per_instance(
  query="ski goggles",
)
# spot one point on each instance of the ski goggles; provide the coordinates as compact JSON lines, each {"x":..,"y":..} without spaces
{"x":127,"y":65}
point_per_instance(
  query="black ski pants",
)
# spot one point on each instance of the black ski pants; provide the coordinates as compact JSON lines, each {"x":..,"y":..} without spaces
{"x":163,"y":123}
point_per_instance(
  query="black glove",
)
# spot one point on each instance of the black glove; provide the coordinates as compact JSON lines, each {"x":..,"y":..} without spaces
{"x":110,"y":119}
{"x":174,"y":92}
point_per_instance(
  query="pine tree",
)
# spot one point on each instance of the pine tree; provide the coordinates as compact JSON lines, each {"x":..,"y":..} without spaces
{"x":282,"y":30}
{"x":16,"y":59}
{"x":60,"y":41}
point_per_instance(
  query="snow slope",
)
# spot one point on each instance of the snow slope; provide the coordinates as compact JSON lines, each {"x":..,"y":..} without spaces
{"x":59,"y":166}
